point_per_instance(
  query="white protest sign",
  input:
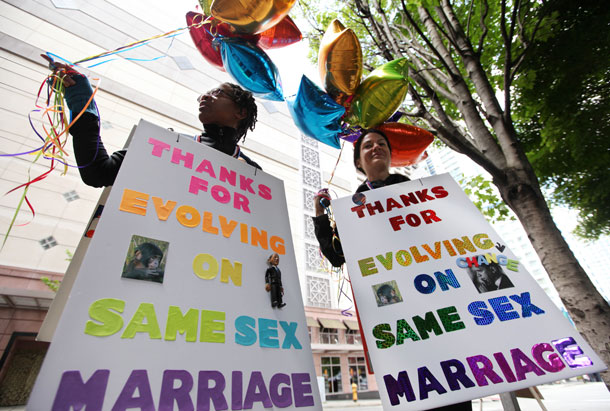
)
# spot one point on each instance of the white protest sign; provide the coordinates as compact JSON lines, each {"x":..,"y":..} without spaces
{"x":448,"y":312}
{"x":169,"y":309}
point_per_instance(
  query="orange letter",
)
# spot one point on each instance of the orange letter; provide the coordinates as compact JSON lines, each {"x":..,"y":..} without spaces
{"x":134,"y":202}
{"x":163,"y":210}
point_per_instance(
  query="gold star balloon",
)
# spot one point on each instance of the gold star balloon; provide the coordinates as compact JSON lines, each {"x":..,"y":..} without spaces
{"x":340,"y":61}
{"x":251,"y":16}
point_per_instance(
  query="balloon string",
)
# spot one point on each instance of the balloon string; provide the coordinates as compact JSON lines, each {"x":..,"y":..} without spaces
{"x":139,"y":43}
{"x":52,"y":147}
{"x":336,"y":164}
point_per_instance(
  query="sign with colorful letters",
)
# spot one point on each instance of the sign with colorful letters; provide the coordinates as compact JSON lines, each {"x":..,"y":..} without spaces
{"x":449,"y":313}
{"x":170,"y":308}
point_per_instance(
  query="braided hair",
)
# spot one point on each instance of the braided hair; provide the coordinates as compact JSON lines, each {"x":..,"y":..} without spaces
{"x":244,"y":100}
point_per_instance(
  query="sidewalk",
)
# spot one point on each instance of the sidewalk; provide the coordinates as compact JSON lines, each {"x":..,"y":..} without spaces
{"x":570,"y":396}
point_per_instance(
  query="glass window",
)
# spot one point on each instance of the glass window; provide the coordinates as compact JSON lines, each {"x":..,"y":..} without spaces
{"x":352,"y":337}
{"x":357,"y":372}
{"x":329,"y":336}
{"x":331,"y":370}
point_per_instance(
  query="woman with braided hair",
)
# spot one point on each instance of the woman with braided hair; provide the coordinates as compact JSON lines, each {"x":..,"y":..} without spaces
{"x":226,"y":112}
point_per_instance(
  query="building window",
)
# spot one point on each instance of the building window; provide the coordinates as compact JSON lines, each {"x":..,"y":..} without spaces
{"x":65,"y":4}
{"x":310,"y":232}
{"x":309,"y":332}
{"x":308,"y":197}
{"x":310,"y":157}
{"x":331,"y":370}
{"x":329,"y":336}
{"x":312,"y":142}
{"x":318,"y":292}
{"x":48,"y":242}
{"x":357,"y":372}
{"x":313,"y":261}
{"x":183,"y":63}
{"x":269,"y":106}
{"x":71,"y":196}
{"x":312,"y":178}
{"x":352,"y":337}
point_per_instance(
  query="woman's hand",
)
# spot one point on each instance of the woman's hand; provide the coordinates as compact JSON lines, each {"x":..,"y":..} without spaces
{"x":322,"y":196}
{"x":63,"y":71}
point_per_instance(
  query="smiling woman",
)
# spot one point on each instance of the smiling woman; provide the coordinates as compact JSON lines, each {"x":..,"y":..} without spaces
{"x":372,"y":157}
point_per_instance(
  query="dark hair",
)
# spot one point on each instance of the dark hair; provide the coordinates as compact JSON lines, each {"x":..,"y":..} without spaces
{"x":244,"y":100}
{"x":358,"y":144}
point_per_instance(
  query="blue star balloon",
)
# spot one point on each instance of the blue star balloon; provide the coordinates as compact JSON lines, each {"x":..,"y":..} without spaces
{"x":316,"y":114}
{"x":251,"y":68}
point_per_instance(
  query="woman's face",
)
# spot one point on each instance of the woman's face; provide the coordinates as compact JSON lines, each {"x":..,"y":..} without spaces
{"x":217,"y":107}
{"x":374,"y":153}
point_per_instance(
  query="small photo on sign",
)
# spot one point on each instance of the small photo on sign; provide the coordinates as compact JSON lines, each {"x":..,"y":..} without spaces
{"x":146,"y":258}
{"x":387,"y":293}
{"x":488,"y":276}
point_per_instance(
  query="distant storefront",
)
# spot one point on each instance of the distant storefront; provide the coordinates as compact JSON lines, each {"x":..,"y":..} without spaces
{"x":24,"y":301}
{"x":338,"y":353}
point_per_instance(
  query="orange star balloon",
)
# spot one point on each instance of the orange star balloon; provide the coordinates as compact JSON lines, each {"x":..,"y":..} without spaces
{"x":282,"y":34}
{"x":251,"y":16}
{"x":340,"y":61}
{"x":408,"y":143}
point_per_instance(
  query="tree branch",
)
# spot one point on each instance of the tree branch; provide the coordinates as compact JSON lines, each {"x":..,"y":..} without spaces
{"x":484,"y":29}
{"x":450,"y":134}
{"x":387,"y":29}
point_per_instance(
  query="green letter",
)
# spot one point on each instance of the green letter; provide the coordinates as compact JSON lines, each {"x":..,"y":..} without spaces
{"x":212,"y":321}
{"x":427,"y":324}
{"x":450,"y":319}
{"x":384,"y":334}
{"x":408,"y":332}
{"x":176,"y":322}
{"x":100,"y":311}
{"x":367,"y":266}
{"x":136,"y":325}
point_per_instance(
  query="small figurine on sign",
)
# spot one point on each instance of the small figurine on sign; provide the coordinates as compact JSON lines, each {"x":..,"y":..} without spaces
{"x":273,"y":281}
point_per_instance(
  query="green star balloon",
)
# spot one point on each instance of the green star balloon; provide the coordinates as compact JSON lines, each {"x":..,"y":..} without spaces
{"x":380,"y":94}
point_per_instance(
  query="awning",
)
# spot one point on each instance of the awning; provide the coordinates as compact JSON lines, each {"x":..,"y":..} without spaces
{"x":311,"y":322}
{"x":352,"y":325}
{"x":331,"y":323}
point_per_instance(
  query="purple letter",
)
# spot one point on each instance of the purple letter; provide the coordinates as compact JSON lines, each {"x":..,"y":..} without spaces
{"x":424,"y":375}
{"x":281,"y":399}
{"x":523,"y":364}
{"x":205,"y":393}
{"x":485,"y":371}
{"x":572,"y":353}
{"x":137,"y":380}
{"x":454,"y":376}
{"x":74,"y":393}
{"x":553,"y":364}
{"x":301,"y":385}
{"x":257,"y":391}
{"x":399,"y":388}
{"x":182,"y":394}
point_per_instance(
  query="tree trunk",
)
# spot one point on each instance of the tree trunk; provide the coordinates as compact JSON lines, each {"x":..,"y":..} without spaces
{"x":588,"y":309}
